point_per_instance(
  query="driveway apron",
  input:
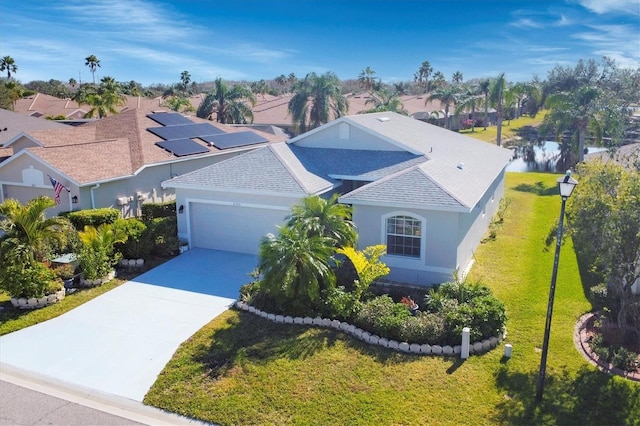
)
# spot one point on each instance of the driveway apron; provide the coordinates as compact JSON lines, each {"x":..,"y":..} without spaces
{"x":120,"y":341}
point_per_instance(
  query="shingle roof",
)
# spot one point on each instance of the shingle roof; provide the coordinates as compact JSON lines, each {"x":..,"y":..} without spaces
{"x":260,"y":170}
{"x":15,"y":124}
{"x":408,"y":187}
{"x":438,"y":168}
{"x":121,"y":144}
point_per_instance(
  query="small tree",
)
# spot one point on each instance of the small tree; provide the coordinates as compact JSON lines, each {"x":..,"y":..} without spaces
{"x":97,"y":254}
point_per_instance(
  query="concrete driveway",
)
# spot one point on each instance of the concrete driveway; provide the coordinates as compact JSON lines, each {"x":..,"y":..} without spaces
{"x":119,"y":342}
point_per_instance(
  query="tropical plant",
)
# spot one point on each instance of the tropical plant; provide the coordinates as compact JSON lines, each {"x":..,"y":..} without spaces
{"x":469,"y":97}
{"x":384,"y":100}
{"x":484,"y":87}
{"x":447,"y":95}
{"x":8,"y":64}
{"x":608,"y":200}
{"x":316,"y":216}
{"x":496,"y":99}
{"x":456,"y":78}
{"x":97,"y":254}
{"x":316,"y":101}
{"x":366,"y":79}
{"x":185,"y":80}
{"x":422,"y":76}
{"x":106,"y":99}
{"x":28,"y":233}
{"x":93,"y":63}
{"x":295,"y":265}
{"x":178,"y":104}
{"x":228,"y":103}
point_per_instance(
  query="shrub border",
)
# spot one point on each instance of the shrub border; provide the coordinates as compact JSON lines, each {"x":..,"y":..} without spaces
{"x":476,"y":348}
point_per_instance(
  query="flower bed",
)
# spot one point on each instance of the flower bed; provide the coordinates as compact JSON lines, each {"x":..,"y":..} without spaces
{"x":422,"y":349}
{"x":35,"y":303}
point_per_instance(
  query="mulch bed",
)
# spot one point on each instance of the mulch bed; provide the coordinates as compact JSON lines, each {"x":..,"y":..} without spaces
{"x":585,"y":330}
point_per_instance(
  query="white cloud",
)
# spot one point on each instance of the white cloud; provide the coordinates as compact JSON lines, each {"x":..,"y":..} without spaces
{"x":563,"y":21}
{"x":526,"y":23}
{"x":616,"y":41}
{"x":610,"y":6}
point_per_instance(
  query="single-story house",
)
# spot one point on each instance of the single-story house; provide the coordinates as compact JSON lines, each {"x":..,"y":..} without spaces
{"x":119,"y":161}
{"x":427,"y":193}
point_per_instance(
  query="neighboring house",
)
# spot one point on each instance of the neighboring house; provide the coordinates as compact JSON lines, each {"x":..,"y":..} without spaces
{"x":119,"y":161}
{"x":13,"y":124}
{"x":628,"y":156}
{"x":427,"y":193}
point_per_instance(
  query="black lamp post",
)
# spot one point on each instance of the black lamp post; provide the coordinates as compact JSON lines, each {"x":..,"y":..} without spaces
{"x":566,"y":184}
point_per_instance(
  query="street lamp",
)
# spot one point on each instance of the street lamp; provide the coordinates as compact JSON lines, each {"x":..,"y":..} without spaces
{"x":566,"y":184}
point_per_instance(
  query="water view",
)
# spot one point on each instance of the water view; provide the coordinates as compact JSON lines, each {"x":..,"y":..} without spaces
{"x":544,"y":160}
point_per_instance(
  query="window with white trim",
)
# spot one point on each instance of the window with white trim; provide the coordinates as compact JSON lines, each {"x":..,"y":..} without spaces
{"x":404,"y":236}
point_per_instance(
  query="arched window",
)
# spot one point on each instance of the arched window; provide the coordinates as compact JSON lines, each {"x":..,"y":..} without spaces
{"x":404,"y":236}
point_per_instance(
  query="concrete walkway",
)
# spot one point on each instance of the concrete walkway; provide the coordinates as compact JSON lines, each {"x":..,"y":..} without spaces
{"x":119,"y":342}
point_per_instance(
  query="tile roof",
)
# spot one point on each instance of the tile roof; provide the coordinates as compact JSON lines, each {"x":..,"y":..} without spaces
{"x":15,"y":124}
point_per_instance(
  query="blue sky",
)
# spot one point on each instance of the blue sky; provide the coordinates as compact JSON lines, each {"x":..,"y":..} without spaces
{"x":154,"y":41}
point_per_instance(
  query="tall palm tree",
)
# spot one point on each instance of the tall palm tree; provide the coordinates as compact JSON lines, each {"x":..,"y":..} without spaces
{"x":422,"y":76}
{"x":28,"y":232}
{"x":229,"y":104}
{"x":497,"y":98}
{"x":328,"y":218}
{"x":72,"y":82}
{"x":456,"y":78}
{"x":468,"y":98}
{"x":93,"y":63}
{"x":366,"y":79}
{"x":577,"y":110}
{"x":447,"y":95}
{"x":484,"y":87}
{"x":384,"y":100}
{"x":8,"y":64}
{"x":185,"y":79}
{"x":295,"y":265}
{"x":318,"y":99}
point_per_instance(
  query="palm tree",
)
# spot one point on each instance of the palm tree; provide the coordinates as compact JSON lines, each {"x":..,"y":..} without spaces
{"x":328,"y":218}
{"x":456,"y":78}
{"x":185,"y":79}
{"x":468,"y":98}
{"x":575,"y":110}
{"x":384,"y":100}
{"x":318,"y":99}
{"x":484,"y":87}
{"x":178,"y":104}
{"x":422,"y":76}
{"x":438,"y":81}
{"x":106,"y":99}
{"x":92,"y":62}
{"x":497,"y":99}
{"x":295,"y":266}
{"x":447,"y":95}
{"x":8,"y":64}
{"x":365,"y":78}
{"x":28,"y":233}
{"x":260,"y":88}
{"x":72,"y":82}
{"x":229,"y":104}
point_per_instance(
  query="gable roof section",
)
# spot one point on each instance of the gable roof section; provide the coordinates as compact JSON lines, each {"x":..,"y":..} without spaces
{"x":114,"y":147}
{"x":409,"y":188}
{"x":13,"y":124}
{"x":257,"y":171}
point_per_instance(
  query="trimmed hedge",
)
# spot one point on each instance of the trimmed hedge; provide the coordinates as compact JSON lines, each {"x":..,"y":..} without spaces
{"x":152,"y":211}
{"x":92,"y":217}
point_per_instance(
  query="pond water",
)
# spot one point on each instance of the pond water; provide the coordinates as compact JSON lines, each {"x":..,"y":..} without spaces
{"x":545,"y":160}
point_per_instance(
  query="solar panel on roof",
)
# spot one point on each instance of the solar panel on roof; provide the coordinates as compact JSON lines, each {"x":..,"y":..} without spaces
{"x":234,"y":140}
{"x":185,"y":131}
{"x":182,"y":147}
{"x":169,"y":118}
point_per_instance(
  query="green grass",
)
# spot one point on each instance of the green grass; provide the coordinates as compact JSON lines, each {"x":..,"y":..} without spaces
{"x":241,"y":369}
{"x":12,"y":319}
{"x":509,"y":128}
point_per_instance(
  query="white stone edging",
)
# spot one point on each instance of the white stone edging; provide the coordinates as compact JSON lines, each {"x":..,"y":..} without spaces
{"x":131,"y":263}
{"x":98,"y":281}
{"x":35,"y":303}
{"x":475,"y":348}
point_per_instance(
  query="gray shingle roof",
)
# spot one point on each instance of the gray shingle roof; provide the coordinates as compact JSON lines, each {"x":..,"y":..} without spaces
{"x":259,"y":170}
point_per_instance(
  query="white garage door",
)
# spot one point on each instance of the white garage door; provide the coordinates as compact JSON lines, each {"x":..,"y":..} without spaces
{"x":232,"y":228}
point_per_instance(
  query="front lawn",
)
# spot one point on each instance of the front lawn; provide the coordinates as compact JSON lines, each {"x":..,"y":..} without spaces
{"x":241,"y":369}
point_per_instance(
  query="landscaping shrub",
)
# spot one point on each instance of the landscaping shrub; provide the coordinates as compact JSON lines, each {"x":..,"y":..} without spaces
{"x":92,"y":217}
{"x":30,"y":280}
{"x":163,"y":235}
{"x":340,"y":304}
{"x":423,"y":328}
{"x":383,"y":317}
{"x":624,"y":359}
{"x":138,"y":245}
{"x":598,"y":296}
{"x":151,"y":211}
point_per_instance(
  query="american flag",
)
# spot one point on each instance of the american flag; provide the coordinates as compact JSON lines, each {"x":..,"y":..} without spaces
{"x":57,"y":187}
